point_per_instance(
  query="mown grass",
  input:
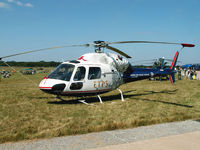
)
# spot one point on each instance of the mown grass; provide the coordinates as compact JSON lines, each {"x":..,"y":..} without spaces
{"x":26,"y":113}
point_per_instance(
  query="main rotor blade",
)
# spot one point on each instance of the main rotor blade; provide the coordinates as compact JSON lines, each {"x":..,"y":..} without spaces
{"x":49,"y":48}
{"x":122,"y":42}
{"x":118,"y":51}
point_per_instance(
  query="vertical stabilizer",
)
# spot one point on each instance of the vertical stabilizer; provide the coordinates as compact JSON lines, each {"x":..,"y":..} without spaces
{"x":172,"y":67}
{"x":172,"y":78}
{"x":174,"y":61}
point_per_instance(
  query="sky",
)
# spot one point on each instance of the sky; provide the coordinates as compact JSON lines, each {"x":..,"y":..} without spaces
{"x":35,"y":24}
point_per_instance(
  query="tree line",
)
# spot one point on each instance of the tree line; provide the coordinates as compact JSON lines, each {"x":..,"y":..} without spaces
{"x":31,"y":64}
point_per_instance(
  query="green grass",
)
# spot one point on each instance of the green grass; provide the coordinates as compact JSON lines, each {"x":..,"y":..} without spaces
{"x":26,"y":113}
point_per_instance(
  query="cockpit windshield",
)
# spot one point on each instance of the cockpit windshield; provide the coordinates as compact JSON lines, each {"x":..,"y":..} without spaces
{"x":62,"y":72}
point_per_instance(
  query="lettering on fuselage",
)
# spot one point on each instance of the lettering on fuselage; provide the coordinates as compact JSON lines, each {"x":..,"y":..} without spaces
{"x":100,"y":84}
{"x":139,"y":75}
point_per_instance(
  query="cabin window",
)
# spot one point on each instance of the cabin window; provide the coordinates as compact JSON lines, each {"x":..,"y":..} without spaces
{"x":94,"y":73}
{"x":80,"y":74}
{"x":62,"y":72}
{"x":76,"y":86}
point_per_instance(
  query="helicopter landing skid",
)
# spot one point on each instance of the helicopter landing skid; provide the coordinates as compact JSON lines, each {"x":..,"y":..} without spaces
{"x":100,"y":100}
{"x":84,"y":102}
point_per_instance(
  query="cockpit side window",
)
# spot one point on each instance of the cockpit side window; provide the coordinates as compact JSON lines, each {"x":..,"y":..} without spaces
{"x":94,"y":73}
{"x":62,"y":72}
{"x":80,"y":74}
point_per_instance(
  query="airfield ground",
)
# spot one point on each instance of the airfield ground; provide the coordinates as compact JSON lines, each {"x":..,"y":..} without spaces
{"x":27,"y":113}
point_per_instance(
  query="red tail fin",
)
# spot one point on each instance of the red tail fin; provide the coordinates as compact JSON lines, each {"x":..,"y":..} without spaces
{"x":174,"y":61}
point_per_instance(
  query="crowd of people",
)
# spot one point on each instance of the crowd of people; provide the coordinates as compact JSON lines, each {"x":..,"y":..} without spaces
{"x":189,"y":73}
{"x":5,"y":74}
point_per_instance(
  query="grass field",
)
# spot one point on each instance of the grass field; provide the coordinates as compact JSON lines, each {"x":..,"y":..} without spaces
{"x":27,"y":113}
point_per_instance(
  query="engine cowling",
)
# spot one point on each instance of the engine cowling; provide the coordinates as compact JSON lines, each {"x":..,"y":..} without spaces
{"x":121,"y":64}
{"x":114,"y":60}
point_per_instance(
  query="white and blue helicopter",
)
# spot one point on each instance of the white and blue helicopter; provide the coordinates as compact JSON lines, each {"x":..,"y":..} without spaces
{"x":95,"y":73}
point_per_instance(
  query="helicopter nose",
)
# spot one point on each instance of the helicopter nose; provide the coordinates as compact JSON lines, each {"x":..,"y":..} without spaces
{"x":53,"y":86}
{"x":56,"y":89}
{"x":59,"y":87}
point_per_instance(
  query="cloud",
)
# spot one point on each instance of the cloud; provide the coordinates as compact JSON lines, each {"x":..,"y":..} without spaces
{"x":29,"y":5}
{"x":19,"y":3}
{"x":4,"y":5}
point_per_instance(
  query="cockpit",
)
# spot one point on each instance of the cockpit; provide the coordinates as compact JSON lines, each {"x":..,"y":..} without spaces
{"x":65,"y":71}
{"x":62,"y":72}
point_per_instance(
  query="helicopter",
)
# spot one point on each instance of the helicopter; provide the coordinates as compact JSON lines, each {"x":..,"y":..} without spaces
{"x":92,"y":73}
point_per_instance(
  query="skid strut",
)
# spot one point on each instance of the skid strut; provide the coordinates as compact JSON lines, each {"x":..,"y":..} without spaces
{"x":100,"y":99}
{"x":122,"y":97}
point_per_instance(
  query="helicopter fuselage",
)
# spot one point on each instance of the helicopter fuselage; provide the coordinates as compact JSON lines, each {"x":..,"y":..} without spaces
{"x":91,"y":74}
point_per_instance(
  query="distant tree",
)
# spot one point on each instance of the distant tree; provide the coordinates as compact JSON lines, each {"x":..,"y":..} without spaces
{"x":31,"y":64}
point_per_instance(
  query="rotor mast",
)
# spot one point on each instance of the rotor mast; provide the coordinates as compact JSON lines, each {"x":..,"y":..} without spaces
{"x":98,"y":45}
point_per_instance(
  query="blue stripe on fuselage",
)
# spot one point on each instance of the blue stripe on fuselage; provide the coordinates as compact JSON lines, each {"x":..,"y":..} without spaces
{"x":143,"y":73}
